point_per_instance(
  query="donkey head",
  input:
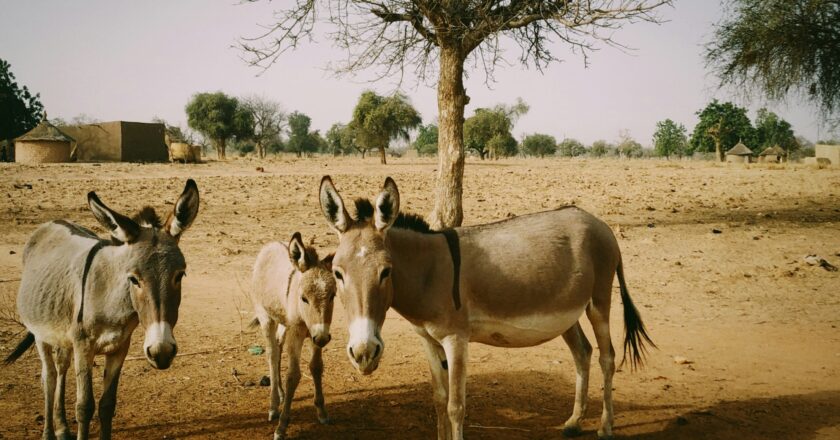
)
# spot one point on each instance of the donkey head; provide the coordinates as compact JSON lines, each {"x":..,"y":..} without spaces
{"x":316,"y":290}
{"x":362,"y":268}
{"x":152,"y":267}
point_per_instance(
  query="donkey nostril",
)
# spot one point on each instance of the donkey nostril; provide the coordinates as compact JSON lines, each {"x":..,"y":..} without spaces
{"x":148,"y":353}
{"x":376,"y":353}
{"x":351,"y":353}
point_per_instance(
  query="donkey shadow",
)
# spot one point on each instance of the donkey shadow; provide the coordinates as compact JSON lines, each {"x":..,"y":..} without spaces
{"x":518,"y":405}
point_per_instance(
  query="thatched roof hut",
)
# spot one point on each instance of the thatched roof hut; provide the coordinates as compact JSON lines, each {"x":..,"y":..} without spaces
{"x":772,"y":154}
{"x":43,"y":144}
{"x":739,"y":153}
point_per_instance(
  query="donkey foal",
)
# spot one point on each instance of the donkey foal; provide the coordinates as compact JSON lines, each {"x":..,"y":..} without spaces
{"x":293,"y":293}
{"x":81,"y":296}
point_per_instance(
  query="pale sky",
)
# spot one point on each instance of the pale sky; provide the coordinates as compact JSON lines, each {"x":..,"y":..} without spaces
{"x":132,"y":60}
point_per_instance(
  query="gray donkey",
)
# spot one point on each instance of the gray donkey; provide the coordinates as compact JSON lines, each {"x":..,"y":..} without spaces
{"x":81,"y":296}
{"x":293,"y":294}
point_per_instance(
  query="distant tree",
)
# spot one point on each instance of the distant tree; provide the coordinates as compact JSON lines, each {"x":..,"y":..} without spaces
{"x":301,"y":140}
{"x":219,"y":118}
{"x":771,"y":130}
{"x":417,"y":34}
{"x":489,"y":123}
{"x":779,"y":46}
{"x":426,"y":143}
{"x":321,"y":143}
{"x":379,"y":119}
{"x":20,"y":110}
{"x":629,"y":147}
{"x":334,"y":138}
{"x":268,"y":120}
{"x":721,"y":126}
{"x":571,"y":148}
{"x":175,"y":133}
{"x":600,"y":148}
{"x":539,"y":145}
{"x":670,"y":138}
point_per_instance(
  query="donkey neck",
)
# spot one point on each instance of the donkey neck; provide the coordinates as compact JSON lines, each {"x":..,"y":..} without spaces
{"x":107,"y":286}
{"x":422,"y":274}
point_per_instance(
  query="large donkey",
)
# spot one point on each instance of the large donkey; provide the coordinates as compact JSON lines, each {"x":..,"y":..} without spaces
{"x":515,"y":283}
{"x":81,"y":296}
{"x":293,"y":292}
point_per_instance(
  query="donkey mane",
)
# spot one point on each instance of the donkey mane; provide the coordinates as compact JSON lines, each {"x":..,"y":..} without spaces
{"x":413,"y":222}
{"x":148,"y":217}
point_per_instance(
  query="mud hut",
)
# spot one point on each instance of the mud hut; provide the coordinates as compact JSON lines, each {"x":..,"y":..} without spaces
{"x":119,"y":141}
{"x":774,"y":154}
{"x":829,"y":152}
{"x":739,"y":154}
{"x":43,"y":144}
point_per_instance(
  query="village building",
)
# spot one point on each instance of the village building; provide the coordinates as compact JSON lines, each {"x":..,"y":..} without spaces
{"x":739,"y":154}
{"x":43,"y":144}
{"x":828,"y":152}
{"x":119,"y":141}
{"x":774,"y":154}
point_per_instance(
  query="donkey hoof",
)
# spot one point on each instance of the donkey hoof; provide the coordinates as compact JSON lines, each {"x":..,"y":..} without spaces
{"x":279,"y":435}
{"x":572,"y":431}
{"x":604,"y":436}
{"x":273,"y":415}
{"x":65,"y":436}
{"x":324,"y":420}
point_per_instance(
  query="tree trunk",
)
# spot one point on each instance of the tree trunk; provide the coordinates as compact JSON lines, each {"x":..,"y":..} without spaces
{"x":382,"y":159}
{"x":220,"y":149}
{"x":718,"y":152}
{"x":452,"y":98}
{"x":363,"y":153}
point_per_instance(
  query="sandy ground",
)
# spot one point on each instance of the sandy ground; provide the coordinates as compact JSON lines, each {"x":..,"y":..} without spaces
{"x":757,"y":324}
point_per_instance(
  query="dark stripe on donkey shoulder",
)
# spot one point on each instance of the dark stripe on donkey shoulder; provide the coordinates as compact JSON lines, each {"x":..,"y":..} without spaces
{"x":88,"y":262}
{"x":455,"y":252}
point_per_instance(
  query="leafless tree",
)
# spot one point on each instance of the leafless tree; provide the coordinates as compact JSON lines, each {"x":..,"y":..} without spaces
{"x":392,"y":36}
{"x":268,"y":120}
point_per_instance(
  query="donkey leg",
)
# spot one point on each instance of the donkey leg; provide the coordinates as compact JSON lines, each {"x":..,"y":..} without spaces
{"x":316,"y":367}
{"x":108,"y":402}
{"x":85,"y":405}
{"x":440,"y":384}
{"x":582,"y":354}
{"x":48,"y":384}
{"x":600,"y":320}
{"x":269,"y":329}
{"x":295,"y":335}
{"x":456,"y":348}
{"x":61,"y":357}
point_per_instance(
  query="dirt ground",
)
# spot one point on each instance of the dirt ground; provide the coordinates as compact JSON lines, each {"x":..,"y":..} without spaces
{"x":713,"y":255}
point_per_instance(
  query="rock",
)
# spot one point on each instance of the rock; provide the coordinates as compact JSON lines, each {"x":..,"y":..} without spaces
{"x":249,"y":383}
{"x":682,"y":421}
{"x":816,"y":260}
{"x":39,"y":419}
{"x":256,"y":350}
{"x":265,"y":381}
{"x":716,"y":231}
{"x":680,"y":360}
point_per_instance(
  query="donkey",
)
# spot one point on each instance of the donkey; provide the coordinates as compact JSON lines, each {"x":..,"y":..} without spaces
{"x":293,"y":293}
{"x":515,"y":283}
{"x":81,"y":296}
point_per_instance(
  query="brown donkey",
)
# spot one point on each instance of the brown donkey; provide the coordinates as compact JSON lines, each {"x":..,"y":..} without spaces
{"x":515,"y":283}
{"x":293,"y":293}
{"x":81,"y":296}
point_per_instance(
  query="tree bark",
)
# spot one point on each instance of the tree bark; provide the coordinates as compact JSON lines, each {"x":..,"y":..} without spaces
{"x":452,"y":98}
{"x":718,"y":151}
{"x":220,"y":149}
{"x":382,"y":159}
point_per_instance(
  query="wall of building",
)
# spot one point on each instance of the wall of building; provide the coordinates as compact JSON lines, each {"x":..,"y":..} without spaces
{"x":143,"y":142}
{"x":737,"y":159}
{"x":98,"y":142}
{"x":35,"y":152}
{"x":830,"y":152}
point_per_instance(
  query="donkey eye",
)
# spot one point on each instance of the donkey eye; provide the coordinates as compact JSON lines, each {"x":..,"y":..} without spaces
{"x":338,"y":275}
{"x":134,"y":280}
{"x":305,"y":301}
{"x":385,"y":274}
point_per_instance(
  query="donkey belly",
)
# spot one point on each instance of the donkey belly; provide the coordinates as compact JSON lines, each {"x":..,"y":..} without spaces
{"x":521,"y":331}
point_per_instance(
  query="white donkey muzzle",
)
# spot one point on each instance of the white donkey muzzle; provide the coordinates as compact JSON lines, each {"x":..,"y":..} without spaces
{"x":159,"y":346}
{"x":365,"y":346}
{"x":320,"y":334}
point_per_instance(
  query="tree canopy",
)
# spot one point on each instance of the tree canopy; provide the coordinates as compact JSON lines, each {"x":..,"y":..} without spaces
{"x":219,"y":117}
{"x":20,"y":110}
{"x":778,"y":47}
{"x":426,"y":143}
{"x":398,"y":35}
{"x":570,"y":147}
{"x":488,"y":131}
{"x":669,"y":139}
{"x":301,"y":140}
{"x":539,"y":145}
{"x":771,"y":131}
{"x":379,"y":119}
{"x":268,"y":117}
{"x":721,"y":126}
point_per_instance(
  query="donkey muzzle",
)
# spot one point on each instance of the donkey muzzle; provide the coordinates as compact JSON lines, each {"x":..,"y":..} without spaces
{"x":320,"y":334}
{"x":160,"y":347}
{"x":365,"y":346}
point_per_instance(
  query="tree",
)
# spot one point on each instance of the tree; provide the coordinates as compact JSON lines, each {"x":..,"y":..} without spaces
{"x":629,"y":147}
{"x":378,"y":119}
{"x":426,"y":143}
{"x":219,"y":118}
{"x":20,"y":110}
{"x":779,"y":46}
{"x":600,"y":148}
{"x":488,"y":131}
{"x":539,"y":145}
{"x":722,"y":125}
{"x":335,"y":140}
{"x":301,"y":140}
{"x":670,"y":138}
{"x":400,"y":34}
{"x":771,"y":130}
{"x":268,"y":120}
{"x":570,"y":148}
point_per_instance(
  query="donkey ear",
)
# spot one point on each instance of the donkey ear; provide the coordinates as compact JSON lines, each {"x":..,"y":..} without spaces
{"x":333,"y":207}
{"x":186,"y":208}
{"x":297,"y":253}
{"x":121,"y":227}
{"x":387,"y":205}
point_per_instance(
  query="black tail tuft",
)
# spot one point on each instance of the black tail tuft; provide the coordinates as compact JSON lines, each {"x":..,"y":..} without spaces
{"x":253,"y":324}
{"x":22,"y":347}
{"x":635,"y":334}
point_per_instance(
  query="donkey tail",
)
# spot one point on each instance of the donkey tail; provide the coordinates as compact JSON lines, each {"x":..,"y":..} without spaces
{"x":635,"y":334}
{"x":22,"y":347}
